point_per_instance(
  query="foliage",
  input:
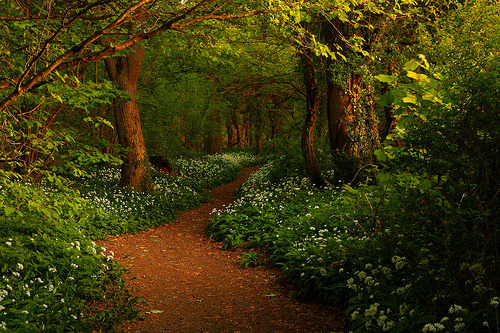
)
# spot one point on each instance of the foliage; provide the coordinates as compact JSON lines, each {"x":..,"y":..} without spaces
{"x":242,"y":73}
{"x":418,"y":251}
{"x":53,"y":277}
{"x":370,"y":249}
{"x":210,"y":171}
{"x":250,"y":259}
{"x":115,"y":210}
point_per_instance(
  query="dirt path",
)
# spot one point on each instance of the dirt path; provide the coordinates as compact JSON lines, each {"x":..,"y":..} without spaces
{"x":190,"y":284}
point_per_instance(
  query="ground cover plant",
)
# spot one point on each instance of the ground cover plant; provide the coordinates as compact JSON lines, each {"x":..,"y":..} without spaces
{"x":53,"y":277}
{"x":120,"y":210}
{"x":417,"y":249}
{"x":404,"y":277}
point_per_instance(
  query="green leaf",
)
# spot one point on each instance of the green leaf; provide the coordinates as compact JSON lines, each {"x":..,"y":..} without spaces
{"x":386,"y":78}
{"x":416,"y":76}
{"x":383,"y":177}
{"x":386,"y":99}
{"x":350,"y":189}
{"x":380,"y":155}
{"x":411,"y":65}
{"x":9,"y":210}
{"x":410,"y":99}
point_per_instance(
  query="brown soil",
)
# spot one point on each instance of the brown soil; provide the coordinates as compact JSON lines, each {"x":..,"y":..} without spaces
{"x":190,"y":284}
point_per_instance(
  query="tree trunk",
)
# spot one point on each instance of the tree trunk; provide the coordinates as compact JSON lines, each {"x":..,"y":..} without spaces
{"x":258,"y":130}
{"x":236,"y":124}
{"x":351,"y":115}
{"x":231,"y":134}
{"x":125,"y":71}
{"x":213,"y":134}
{"x":337,"y":99}
{"x":312,"y":99}
{"x":335,"y":107}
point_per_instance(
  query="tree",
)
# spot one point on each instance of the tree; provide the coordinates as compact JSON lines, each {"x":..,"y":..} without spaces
{"x":312,"y":102}
{"x":125,"y":71}
{"x":65,"y":40}
{"x":229,"y":68}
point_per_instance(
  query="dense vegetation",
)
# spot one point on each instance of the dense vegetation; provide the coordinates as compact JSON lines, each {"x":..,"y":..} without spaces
{"x":379,"y":119}
{"x":54,"y":277}
{"x":391,"y":254}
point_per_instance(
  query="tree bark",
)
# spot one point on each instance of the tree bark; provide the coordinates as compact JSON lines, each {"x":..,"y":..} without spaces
{"x":336,"y":109}
{"x":337,"y":100}
{"x":312,"y":99}
{"x":213,"y":134}
{"x":236,"y":124}
{"x":125,"y":71}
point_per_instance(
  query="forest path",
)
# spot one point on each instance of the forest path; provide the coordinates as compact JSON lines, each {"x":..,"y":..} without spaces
{"x":190,"y":284}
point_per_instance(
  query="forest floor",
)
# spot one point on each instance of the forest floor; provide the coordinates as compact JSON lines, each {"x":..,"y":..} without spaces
{"x":188,"y":283}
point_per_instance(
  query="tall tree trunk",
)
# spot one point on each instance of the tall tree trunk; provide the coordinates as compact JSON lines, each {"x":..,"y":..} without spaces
{"x":335,"y":109}
{"x":312,"y":99}
{"x":125,"y":71}
{"x":258,"y":130}
{"x":236,"y":124}
{"x":213,"y":134}
{"x":231,"y":134}
{"x":337,"y":100}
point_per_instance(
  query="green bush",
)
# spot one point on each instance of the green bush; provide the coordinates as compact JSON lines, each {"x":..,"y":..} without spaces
{"x":115,"y":210}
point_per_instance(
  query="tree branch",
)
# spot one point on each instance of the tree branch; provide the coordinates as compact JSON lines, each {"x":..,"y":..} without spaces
{"x":63,"y":62}
{"x":217,"y":17}
{"x":50,"y":39}
{"x":55,"y":64}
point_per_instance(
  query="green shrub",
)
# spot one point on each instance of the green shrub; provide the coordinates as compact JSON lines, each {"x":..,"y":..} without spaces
{"x":115,"y":210}
{"x":53,"y":278}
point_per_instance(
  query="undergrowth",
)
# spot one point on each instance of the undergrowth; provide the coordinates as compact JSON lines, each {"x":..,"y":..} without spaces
{"x":53,"y":277}
{"x":393,"y":269}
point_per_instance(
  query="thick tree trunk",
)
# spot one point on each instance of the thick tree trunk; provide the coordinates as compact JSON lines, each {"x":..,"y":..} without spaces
{"x":312,"y":99}
{"x":351,"y":114}
{"x":125,"y":71}
{"x":337,"y":100}
{"x":231,"y":134}
{"x":336,"y":108}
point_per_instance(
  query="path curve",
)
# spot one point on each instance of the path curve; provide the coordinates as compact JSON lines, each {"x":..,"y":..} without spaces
{"x":190,"y":284}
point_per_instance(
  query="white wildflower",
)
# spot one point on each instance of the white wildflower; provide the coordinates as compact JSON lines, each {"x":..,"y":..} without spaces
{"x":372,"y":311}
{"x":455,"y":309}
